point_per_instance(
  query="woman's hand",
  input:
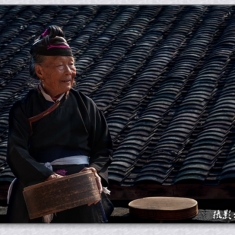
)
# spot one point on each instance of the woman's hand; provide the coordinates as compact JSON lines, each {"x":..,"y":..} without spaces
{"x":98,"y":180}
{"x":53,"y":177}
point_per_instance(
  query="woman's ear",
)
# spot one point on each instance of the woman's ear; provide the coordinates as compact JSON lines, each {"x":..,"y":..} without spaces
{"x":38,"y":71}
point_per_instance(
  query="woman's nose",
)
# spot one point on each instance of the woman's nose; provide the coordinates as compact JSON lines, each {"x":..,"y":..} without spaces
{"x":68,"y":70}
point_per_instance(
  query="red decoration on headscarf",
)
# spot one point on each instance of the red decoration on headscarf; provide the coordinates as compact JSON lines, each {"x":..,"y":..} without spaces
{"x":57,"y":46}
{"x":45,"y":33}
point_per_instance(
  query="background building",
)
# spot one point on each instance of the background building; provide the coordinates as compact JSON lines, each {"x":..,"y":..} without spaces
{"x":162,"y":75}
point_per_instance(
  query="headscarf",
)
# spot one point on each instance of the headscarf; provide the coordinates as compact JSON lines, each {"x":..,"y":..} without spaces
{"x":51,"y":43}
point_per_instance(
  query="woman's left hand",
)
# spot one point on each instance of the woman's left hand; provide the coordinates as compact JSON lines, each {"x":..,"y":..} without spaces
{"x":98,"y":180}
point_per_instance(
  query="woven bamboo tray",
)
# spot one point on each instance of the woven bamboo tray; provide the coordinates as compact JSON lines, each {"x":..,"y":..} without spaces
{"x":61,"y":194}
{"x":164,"y":208}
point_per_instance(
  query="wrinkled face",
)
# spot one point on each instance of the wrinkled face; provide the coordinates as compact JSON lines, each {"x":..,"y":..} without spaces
{"x":56,"y":73}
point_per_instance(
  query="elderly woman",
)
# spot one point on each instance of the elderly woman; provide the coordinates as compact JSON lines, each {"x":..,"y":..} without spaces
{"x":56,"y":131}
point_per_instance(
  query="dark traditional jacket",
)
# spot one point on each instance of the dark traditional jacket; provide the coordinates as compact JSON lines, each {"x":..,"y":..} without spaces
{"x":75,"y":127}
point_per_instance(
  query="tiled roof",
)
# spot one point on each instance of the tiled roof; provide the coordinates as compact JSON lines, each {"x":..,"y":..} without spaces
{"x":163,"y":76}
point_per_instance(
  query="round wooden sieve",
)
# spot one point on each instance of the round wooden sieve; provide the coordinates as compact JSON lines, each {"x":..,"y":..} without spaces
{"x":164,"y":208}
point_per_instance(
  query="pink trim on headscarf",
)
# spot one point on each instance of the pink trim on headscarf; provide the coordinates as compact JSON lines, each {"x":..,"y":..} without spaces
{"x":45,"y":33}
{"x":56,"y":46}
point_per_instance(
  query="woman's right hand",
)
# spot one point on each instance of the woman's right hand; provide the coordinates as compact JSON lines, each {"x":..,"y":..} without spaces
{"x":98,"y":181}
{"x":53,"y":177}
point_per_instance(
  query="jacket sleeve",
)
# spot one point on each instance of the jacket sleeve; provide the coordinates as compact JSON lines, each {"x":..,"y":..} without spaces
{"x":100,"y":143}
{"x":24,"y":167}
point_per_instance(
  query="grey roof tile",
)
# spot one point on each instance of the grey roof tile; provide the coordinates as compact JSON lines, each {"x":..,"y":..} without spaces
{"x":163,"y":76}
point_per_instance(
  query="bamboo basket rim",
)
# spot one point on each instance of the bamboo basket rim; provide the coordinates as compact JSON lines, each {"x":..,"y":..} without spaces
{"x":45,"y":183}
{"x":135,"y":203}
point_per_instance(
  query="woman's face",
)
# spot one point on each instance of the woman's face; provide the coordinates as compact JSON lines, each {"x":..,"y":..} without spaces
{"x":57,"y":74}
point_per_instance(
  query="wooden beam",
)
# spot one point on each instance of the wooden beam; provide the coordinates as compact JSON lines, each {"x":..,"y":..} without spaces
{"x":193,"y":190}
